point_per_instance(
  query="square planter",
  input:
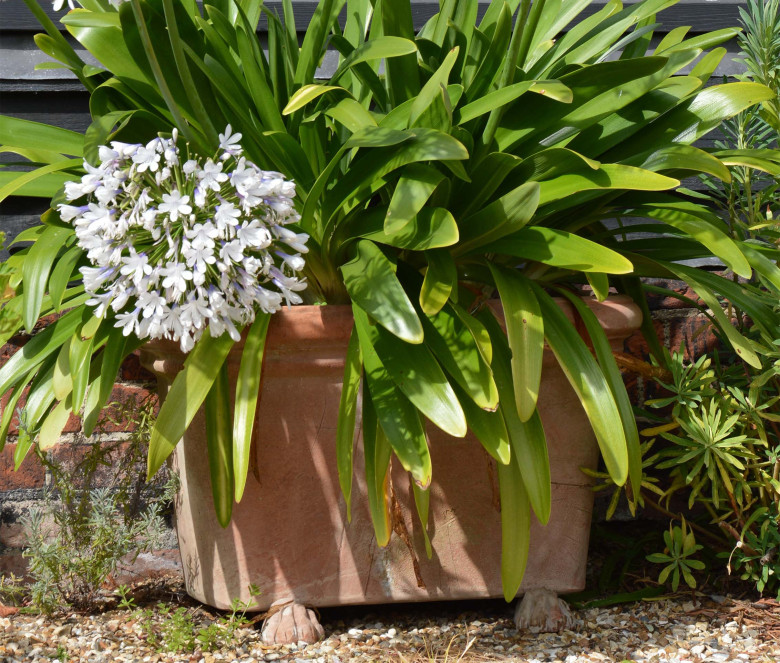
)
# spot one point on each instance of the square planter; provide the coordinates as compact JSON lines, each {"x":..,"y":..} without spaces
{"x":290,"y":535}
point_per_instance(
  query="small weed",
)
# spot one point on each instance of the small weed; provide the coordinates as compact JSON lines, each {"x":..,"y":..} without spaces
{"x":174,"y":630}
{"x":12,"y":590}
{"x":126,"y":602}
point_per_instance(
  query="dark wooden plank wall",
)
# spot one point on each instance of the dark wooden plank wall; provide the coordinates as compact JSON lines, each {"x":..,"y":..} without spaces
{"x":52,"y":96}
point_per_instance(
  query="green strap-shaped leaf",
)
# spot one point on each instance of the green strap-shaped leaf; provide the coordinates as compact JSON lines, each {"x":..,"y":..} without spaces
{"x":515,"y":528}
{"x":417,"y":375}
{"x":194,"y":98}
{"x":527,"y":440}
{"x":608,"y":176}
{"x":612,"y":374}
{"x":187,"y":393}
{"x":499,"y":219}
{"x":17,"y":184}
{"x":372,"y":284}
{"x":459,"y":353}
{"x":312,"y":49}
{"x":599,"y":283}
{"x":560,"y":248}
{"x":551,"y":89}
{"x":432,"y":228}
{"x":420,"y":144}
{"x":422,"y":500}
{"x":433,"y":87}
{"x":351,"y":114}
{"x":62,"y":273}
{"x":79,"y":354}
{"x":376,"y":455}
{"x":525,"y":332}
{"x":8,"y":413}
{"x":488,"y":427}
{"x":740,"y":344}
{"x":686,"y":157}
{"x":307,"y":94}
{"x":402,"y":73}
{"x":247,"y":393}
{"x":52,"y":426}
{"x":376,"y":49}
{"x":24,"y":443}
{"x":414,"y":187}
{"x":397,"y":417}
{"x":441,"y":278}
{"x":767,"y":268}
{"x":16,"y":132}
{"x":62,"y":380}
{"x":41,"y":395}
{"x":588,"y":381}
{"x":691,"y":120}
{"x":44,"y":186}
{"x":38,"y":349}
{"x":697,"y":222}
{"x":116,"y":349}
{"x":345,"y":430}
{"x":220,"y":445}
{"x":36,"y":268}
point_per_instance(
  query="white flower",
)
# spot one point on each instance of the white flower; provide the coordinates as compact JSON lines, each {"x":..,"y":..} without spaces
{"x":146,"y":158}
{"x":69,"y":212}
{"x":176,"y":276}
{"x":174,"y":203}
{"x":295,"y":263}
{"x":254,"y":235}
{"x":202,"y":235}
{"x":127,"y":322}
{"x":229,"y":142}
{"x":211,"y":176}
{"x":136,"y":266}
{"x":74,"y":190}
{"x":296,"y":241}
{"x":232,"y":251}
{"x":227,"y":215}
{"x":194,"y":312}
{"x":58,"y":4}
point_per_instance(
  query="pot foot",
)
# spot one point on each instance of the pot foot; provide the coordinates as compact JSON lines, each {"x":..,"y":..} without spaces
{"x":541,"y":610}
{"x":291,"y":623}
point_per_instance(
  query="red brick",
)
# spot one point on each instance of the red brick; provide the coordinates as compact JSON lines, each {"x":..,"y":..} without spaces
{"x":695,"y":332}
{"x":636,"y":344}
{"x":660,"y":302}
{"x":123,"y":393}
{"x":68,"y":458}
{"x":29,"y":475}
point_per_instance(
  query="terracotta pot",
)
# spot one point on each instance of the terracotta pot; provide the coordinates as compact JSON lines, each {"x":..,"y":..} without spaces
{"x":290,"y":535}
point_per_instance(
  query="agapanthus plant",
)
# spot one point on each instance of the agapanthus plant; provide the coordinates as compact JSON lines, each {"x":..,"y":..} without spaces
{"x":177,"y":245}
{"x":488,"y":149}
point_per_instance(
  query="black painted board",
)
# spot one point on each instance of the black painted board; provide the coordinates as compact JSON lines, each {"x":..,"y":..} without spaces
{"x":704,"y":15}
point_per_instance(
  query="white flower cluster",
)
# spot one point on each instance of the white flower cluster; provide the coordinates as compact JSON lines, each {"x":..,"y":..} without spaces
{"x":177,"y":246}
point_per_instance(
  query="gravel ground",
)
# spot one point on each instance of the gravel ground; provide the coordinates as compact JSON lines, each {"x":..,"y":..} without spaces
{"x":702,"y":628}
